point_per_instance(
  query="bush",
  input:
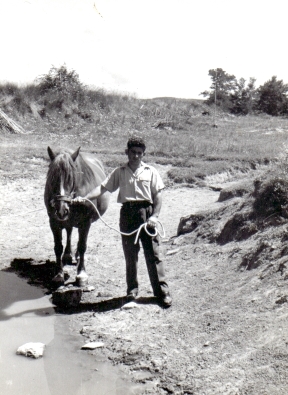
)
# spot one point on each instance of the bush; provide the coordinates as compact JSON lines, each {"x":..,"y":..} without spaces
{"x":61,"y":82}
{"x":271,"y":197}
{"x":9,"y":89}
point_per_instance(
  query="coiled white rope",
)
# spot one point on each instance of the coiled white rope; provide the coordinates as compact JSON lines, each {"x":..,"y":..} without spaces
{"x":137,"y":231}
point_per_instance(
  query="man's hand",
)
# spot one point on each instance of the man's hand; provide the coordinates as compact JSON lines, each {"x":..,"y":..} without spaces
{"x":152,"y":222}
{"x":78,"y":200}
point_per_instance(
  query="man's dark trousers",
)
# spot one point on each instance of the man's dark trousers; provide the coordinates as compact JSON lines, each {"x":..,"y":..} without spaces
{"x":132,"y":215}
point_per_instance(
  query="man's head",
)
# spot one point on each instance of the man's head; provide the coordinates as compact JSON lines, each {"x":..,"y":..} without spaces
{"x":136,"y":142}
{"x":135,"y":151}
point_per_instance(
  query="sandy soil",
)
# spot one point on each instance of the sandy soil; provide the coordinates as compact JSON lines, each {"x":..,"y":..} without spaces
{"x":224,"y":335}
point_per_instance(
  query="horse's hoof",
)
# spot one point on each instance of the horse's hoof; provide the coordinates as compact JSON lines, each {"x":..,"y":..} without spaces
{"x":58,"y":279}
{"x":67,"y":260}
{"x":82,"y":279}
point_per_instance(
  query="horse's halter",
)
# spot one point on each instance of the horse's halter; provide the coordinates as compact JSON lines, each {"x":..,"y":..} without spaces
{"x":62,"y":198}
{"x":65,"y":198}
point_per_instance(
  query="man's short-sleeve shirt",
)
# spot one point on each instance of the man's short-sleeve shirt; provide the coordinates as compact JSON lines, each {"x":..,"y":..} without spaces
{"x":138,"y":186}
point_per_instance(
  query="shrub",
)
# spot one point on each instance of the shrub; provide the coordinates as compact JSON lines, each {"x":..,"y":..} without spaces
{"x":60,"y":81}
{"x":271,"y":197}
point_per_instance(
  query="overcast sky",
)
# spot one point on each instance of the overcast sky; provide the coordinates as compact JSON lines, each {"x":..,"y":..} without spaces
{"x":146,"y":47}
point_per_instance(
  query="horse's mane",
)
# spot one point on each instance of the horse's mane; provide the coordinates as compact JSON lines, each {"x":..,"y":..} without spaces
{"x":75,"y":174}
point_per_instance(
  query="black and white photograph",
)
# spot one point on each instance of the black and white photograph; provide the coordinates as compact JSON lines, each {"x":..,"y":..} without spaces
{"x":144,"y":197}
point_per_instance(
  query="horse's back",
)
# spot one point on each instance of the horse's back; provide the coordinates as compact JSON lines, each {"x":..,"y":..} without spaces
{"x":97,"y":167}
{"x":95,"y":164}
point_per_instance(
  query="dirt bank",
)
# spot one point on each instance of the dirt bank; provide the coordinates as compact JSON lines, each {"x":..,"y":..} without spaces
{"x":224,"y":335}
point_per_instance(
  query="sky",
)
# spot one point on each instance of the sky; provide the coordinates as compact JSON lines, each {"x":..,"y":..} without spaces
{"x":148,"y":48}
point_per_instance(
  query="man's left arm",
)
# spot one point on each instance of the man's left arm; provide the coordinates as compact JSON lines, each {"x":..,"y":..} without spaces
{"x":157,"y":204}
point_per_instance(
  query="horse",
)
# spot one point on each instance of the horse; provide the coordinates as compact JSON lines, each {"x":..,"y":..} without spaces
{"x":72,"y":174}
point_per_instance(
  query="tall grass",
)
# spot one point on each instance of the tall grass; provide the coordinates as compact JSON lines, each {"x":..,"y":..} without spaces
{"x":175,"y":130}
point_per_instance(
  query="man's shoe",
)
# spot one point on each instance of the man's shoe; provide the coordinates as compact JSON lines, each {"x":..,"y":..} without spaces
{"x":131,"y":296}
{"x":166,"y":299}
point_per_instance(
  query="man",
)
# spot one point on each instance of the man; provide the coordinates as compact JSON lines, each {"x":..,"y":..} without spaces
{"x":140,"y":192}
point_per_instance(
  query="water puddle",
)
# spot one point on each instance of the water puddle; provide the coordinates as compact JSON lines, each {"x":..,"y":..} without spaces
{"x":27,"y":315}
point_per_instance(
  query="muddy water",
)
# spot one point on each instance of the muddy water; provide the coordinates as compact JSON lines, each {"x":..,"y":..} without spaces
{"x":27,"y":316}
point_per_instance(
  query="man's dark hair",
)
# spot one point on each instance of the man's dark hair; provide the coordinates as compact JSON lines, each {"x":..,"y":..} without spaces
{"x":136,"y":142}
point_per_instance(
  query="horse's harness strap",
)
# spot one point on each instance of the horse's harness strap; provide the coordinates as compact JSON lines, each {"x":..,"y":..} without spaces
{"x":62,"y":198}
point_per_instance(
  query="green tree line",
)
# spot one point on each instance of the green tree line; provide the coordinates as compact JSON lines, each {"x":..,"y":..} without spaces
{"x":241,"y":97}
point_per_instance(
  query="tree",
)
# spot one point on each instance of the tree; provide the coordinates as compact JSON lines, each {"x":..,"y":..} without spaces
{"x":273,"y":97}
{"x":252,"y":94}
{"x":223,"y":85}
{"x":243,"y":98}
{"x":61,"y":81}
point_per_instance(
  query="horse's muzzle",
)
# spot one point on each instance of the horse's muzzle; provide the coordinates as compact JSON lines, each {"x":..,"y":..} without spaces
{"x":61,"y":205}
{"x":62,"y":214}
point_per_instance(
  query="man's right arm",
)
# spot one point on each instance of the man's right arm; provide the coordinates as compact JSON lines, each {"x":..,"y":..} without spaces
{"x":111,"y":183}
{"x":95,"y":193}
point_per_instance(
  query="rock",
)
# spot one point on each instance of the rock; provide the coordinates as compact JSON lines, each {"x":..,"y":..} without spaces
{"x":171,"y":252}
{"x":189,"y":223}
{"x":104,"y":294}
{"x":92,"y":345}
{"x":33,"y":350}
{"x":282,"y":299}
{"x":130,"y":305}
{"x":89,"y":288}
{"x":235,"y":190}
{"x":67,"y":297}
{"x":86,"y":329}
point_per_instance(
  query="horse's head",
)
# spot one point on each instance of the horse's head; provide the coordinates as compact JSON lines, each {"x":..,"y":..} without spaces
{"x":60,"y":185}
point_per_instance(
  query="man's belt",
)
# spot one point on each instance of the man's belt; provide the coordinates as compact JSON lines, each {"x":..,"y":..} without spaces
{"x":137,"y":204}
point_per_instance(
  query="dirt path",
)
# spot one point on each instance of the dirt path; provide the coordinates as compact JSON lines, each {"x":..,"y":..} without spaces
{"x":220,"y":337}
{"x":26,"y":223}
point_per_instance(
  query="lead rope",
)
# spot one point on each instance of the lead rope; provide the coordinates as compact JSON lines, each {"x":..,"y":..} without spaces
{"x":137,"y":231}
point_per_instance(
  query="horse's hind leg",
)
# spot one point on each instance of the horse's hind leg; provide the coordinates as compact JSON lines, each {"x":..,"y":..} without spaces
{"x":82,"y":277}
{"x":67,"y":256}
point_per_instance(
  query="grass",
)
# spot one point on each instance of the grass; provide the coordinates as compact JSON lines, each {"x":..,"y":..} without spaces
{"x":175,"y":130}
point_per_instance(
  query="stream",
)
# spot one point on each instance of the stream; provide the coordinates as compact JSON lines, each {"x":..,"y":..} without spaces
{"x":27,"y":315}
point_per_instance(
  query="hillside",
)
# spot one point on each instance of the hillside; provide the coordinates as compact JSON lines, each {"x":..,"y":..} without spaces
{"x":225,"y":215}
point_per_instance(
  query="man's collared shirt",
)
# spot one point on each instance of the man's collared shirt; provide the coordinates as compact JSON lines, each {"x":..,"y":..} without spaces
{"x":138,"y":186}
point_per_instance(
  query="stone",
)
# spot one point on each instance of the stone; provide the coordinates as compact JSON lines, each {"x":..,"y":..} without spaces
{"x":89,"y":288}
{"x":189,"y":223}
{"x":86,"y":329}
{"x":33,"y":350}
{"x":104,"y":294}
{"x":130,"y":305}
{"x":67,"y":297}
{"x":171,"y":252}
{"x":92,"y":345}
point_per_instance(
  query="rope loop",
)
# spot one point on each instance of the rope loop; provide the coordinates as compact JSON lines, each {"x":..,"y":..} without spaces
{"x":137,"y":231}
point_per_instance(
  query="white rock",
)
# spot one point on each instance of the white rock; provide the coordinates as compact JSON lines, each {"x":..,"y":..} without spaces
{"x":171,"y":252}
{"x":130,"y":305}
{"x":34,"y":350}
{"x":92,"y":345}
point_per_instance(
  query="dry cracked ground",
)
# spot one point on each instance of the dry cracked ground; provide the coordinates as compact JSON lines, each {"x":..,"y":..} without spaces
{"x":226,"y":332}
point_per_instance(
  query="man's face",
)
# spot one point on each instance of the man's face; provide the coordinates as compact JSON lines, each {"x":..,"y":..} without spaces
{"x":135,"y":155}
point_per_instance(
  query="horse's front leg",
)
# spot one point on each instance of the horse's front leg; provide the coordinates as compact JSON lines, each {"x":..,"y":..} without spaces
{"x":58,"y":249}
{"x":67,"y":257}
{"x":82,"y":277}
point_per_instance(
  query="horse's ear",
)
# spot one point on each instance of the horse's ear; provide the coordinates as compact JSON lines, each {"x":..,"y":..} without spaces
{"x":51,"y":154}
{"x":75,"y":154}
